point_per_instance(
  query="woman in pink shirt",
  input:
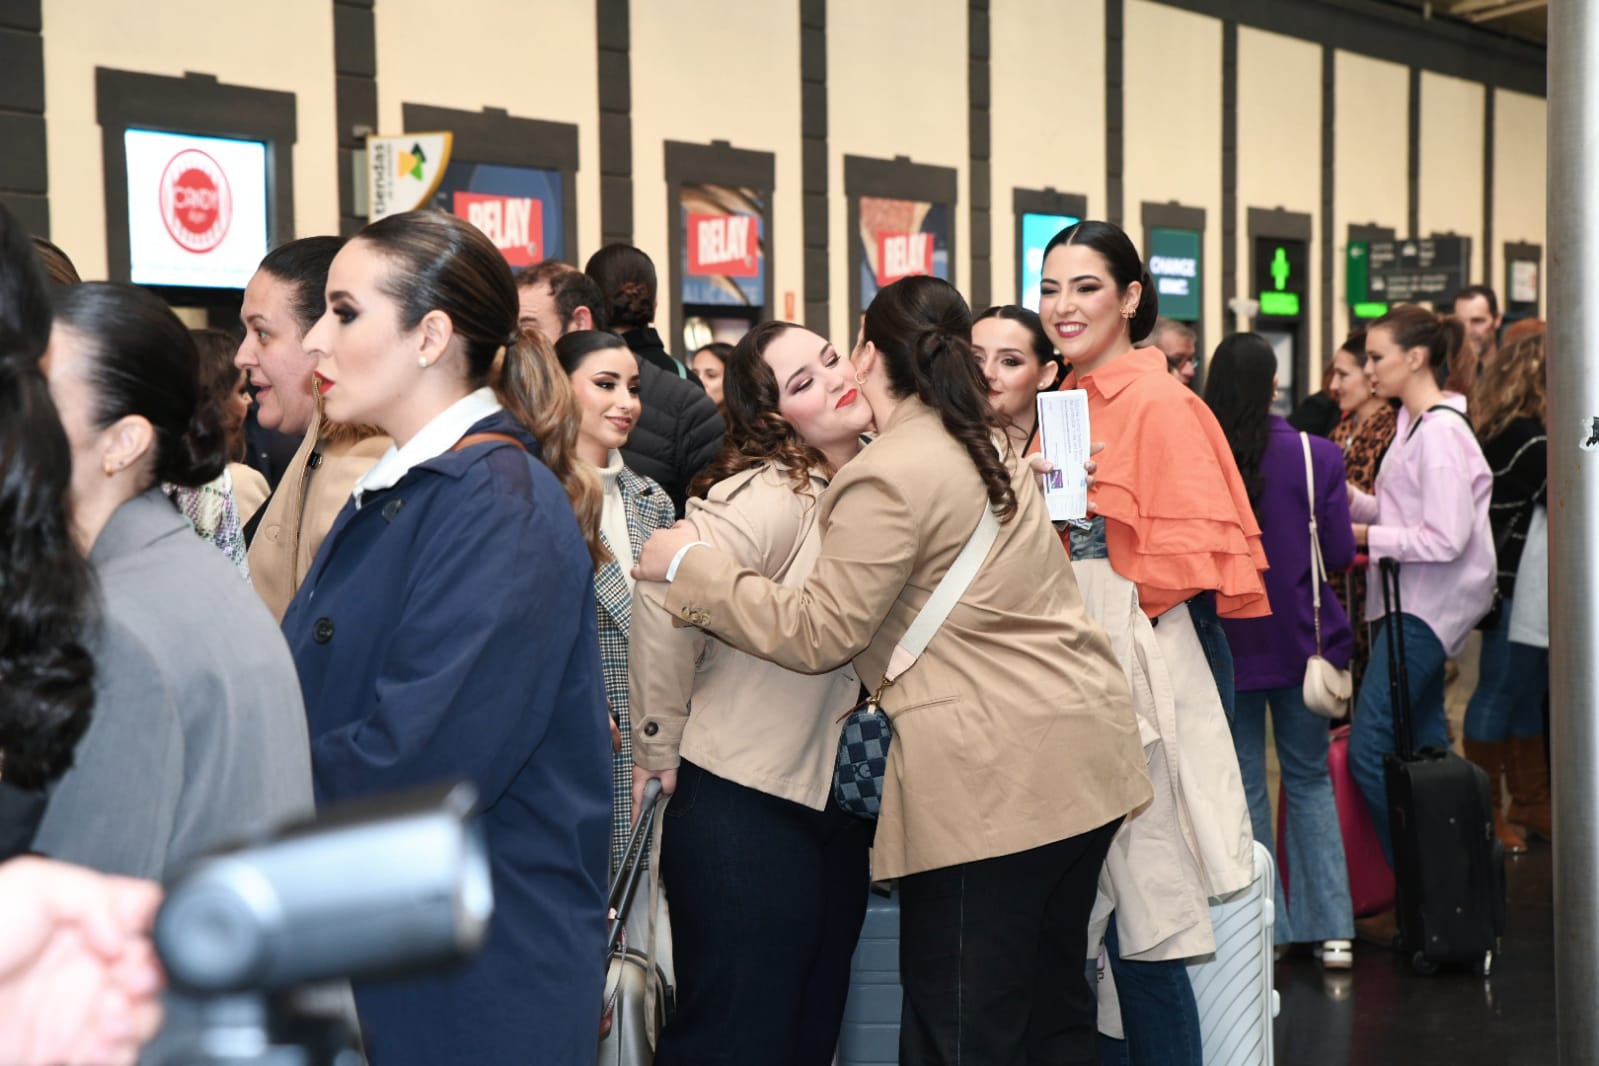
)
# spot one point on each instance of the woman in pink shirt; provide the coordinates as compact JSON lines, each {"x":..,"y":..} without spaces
{"x":1430,"y":513}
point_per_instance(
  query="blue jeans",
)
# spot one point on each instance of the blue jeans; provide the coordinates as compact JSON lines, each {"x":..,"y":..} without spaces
{"x":1372,"y":732}
{"x":1512,"y":681}
{"x":767,"y":898}
{"x":1159,"y":1014}
{"x":1317,"y":908}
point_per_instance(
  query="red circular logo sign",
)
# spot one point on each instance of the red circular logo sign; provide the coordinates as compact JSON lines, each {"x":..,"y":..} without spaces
{"x":196,"y":203}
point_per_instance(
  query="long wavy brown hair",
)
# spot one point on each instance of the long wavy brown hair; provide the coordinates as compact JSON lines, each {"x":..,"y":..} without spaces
{"x":756,"y":433}
{"x":1513,"y":386}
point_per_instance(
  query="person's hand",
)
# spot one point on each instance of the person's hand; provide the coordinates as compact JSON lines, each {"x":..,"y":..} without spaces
{"x":1041,"y":466}
{"x":1360,"y":529}
{"x":667,"y":778}
{"x":79,"y":981}
{"x":662,"y":548}
{"x":1350,"y":491}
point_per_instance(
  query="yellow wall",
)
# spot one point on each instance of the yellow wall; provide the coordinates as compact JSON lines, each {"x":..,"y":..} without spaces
{"x":1450,"y":197}
{"x":285,"y":46}
{"x":1371,"y":158}
{"x":716,"y":70}
{"x":533,"y":59}
{"x":1047,"y":111}
{"x":1279,"y":151}
{"x":1520,"y":151}
{"x":1173,"y":127}
{"x":896,"y":74}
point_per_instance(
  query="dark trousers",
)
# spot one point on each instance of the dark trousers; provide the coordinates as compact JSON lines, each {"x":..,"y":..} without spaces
{"x":991,"y":958}
{"x":766,"y":898}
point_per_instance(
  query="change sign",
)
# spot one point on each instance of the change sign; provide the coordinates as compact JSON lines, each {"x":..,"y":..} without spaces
{"x":1174,"y":265}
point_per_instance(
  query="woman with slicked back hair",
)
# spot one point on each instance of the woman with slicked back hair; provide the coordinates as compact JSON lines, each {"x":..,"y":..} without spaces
{"x":195,"y":742}
{"x":447,"y":629}
{"x":1015,"y":754}
{"x":282,"y":302}
{"x":1174,"y":544}
{"x":1429,"y":511}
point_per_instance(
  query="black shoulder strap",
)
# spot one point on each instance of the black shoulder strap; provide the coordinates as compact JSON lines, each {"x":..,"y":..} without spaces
{"x":1457,"y":412}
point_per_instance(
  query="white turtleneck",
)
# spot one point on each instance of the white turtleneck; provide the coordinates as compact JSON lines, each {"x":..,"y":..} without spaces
{"x":613,"y":517}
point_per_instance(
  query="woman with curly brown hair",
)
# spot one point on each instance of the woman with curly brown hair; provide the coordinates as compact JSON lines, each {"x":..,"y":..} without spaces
{"x":755,"y":849}
{"x":1016,"y":754}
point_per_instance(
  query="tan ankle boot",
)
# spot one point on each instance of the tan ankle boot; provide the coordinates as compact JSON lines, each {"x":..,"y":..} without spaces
{"x":1529,"y":787}
{"x":1493,"y":757}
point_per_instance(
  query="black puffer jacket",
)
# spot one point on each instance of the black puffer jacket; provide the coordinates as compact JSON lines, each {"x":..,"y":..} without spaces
{"x":679,"y":431}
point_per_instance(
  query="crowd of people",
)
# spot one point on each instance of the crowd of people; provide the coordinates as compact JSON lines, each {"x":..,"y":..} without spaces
{"x":522,"y":543}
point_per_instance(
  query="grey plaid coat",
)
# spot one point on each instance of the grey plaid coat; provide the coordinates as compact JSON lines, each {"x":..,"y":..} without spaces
{"x":648,"y":508}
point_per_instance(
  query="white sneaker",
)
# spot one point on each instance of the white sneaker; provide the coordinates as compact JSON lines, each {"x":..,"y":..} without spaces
{"x":1335,"y":954}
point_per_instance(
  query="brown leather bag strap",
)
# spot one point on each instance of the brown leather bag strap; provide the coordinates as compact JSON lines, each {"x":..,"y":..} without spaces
{"x":485,"y":438}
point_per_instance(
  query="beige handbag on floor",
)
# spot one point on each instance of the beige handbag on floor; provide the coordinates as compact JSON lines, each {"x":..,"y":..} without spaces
{"x":1326,"y":689}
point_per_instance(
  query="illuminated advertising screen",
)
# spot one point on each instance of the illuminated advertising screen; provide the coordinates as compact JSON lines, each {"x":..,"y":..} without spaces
{"x":899,"y":238}
{"x":521,"y":209}
{"x":1174,"y":260}
{"x":197,"y":209}
{"x":1037,"y":231}
{"x":724,"y":245}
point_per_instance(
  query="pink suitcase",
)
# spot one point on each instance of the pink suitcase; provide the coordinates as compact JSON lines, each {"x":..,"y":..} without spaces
{"x":1371,"y":882}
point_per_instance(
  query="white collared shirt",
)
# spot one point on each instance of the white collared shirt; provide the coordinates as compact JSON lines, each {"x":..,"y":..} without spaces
{"x":430,"y":442}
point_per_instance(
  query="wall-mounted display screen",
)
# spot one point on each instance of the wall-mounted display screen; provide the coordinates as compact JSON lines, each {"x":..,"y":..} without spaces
{"x":1037,"y":231}
{"x":197,"y":209}
{"x":899,"y":238}
{"x":521,"y":209}
{"x":724,"y":245}
{"x":1174,"y":264}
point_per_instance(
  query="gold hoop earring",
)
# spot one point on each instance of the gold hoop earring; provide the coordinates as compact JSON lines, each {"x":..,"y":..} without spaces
{"x":1129,"y":315}
{"x":859,"y":378}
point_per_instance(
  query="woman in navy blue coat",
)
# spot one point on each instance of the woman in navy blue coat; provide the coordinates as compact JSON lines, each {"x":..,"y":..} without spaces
{"x":447,"y":630}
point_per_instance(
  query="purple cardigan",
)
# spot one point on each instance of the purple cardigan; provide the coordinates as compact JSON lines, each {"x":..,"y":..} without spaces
{"x":1270,"y":652}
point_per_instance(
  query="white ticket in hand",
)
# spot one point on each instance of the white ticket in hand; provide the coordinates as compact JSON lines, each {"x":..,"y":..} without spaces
{"x":1063,"y":438}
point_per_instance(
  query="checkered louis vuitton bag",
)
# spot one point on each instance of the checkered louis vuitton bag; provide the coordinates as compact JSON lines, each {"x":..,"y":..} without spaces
{"x":862,"y":761}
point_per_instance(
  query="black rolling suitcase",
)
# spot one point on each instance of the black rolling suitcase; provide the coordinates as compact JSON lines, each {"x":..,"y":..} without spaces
{"x":1449,"y":868}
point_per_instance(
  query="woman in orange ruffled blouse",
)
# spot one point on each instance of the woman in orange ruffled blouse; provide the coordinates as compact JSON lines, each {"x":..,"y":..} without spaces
{"x":1173,"y":545}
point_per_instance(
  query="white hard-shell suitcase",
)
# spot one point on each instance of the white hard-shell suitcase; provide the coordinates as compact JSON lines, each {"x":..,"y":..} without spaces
{"x":1233,"y":987}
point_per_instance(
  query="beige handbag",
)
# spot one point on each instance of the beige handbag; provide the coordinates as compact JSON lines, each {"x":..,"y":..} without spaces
{"x":1327,"y":689}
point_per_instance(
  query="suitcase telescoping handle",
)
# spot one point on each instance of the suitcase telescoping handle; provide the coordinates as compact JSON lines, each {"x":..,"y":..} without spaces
{"x":625,"y":884}
{"x":1398,"y":670}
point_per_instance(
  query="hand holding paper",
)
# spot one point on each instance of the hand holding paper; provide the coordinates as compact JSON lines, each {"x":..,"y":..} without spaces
{"x":1064,"y":440}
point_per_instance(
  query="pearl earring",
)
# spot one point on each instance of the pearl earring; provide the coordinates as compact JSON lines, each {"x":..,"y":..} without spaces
{"x":422,"y":361}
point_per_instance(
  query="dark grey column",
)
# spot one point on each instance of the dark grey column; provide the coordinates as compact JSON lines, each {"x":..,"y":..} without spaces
{"x":1413,"y":217}
{"x":1488,"y":188}
{"x":1329,"y":174}
{"x":1115,"y":29}
{"x":814,"y":163}
{"x":616,"y":122}
{"x":24,"y":173}
{"x":1229,"y":172}
{"x":981,"y":170}
{"x":355,"y":66}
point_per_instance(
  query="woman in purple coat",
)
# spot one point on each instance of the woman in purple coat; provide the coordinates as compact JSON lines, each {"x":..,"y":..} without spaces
{"x":1269,"y":654}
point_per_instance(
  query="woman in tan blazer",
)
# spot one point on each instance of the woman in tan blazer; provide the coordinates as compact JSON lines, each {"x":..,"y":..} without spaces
{"x":1016,"y":754}
{"x":755,"y":850}
{"x":282,"y":302}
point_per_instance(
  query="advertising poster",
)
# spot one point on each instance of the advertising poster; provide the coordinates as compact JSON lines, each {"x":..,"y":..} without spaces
{"x":521,"y":209}
{"x":899,"y":238}
{"x":724,"y":245}
{"x":1037,"y":231}
{"x":197,"y":209}
{"x":403,"y":171}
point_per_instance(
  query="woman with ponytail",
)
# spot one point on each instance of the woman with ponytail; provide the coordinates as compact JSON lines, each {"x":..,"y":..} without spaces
{"x":1174,"y":544}
{"x":1429,"y":512}
{"x":196,"y":739}
{"x":1015,"y":753}
{"x":447,"y":629}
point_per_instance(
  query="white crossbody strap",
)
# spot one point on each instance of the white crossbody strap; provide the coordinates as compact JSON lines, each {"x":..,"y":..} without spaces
{"x":948,"y":593}
{"x":1318,"y":569}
